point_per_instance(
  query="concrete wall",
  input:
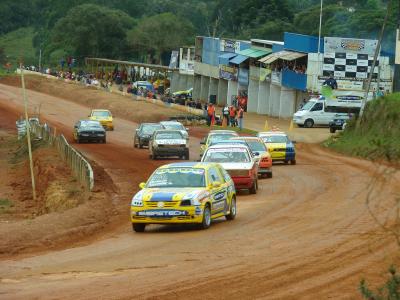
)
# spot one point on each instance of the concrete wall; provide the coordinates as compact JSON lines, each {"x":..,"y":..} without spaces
{"x":205,"y":87}
{"x":252,"y":102}
{"x":181,"y":82}
{"x":263,"y":98}
{"x":275,"y":96}
{"x":287,"y":102}
{"x":213,"y":88}
{"x":222,"y":92}
{"x":232,"y":90}
{"x":197,"y":87}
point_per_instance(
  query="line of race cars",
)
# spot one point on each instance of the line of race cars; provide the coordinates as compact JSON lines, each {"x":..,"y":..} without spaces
{"x":194,"y":192}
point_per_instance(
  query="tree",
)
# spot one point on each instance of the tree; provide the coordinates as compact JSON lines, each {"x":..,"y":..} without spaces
{"x":92,"y":30}
{"x":161,"y":33}
{"x":2,"y":57}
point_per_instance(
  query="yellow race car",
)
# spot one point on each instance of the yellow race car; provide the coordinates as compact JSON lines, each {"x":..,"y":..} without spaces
{"x":279,"y":146}
{"x":104,"y":117}
{"x":216,"y":136}
{"x":188,"y":192}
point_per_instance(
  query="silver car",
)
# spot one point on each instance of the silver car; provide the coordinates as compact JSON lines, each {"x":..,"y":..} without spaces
{"x":168,"y":143}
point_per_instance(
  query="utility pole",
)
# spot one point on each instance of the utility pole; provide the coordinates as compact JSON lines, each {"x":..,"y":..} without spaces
{"x":40,"y":60}
{"x":396,"y":77}
{"x":28,"y":133}
{"x":315,"y":80}
{"x":377,"y":50}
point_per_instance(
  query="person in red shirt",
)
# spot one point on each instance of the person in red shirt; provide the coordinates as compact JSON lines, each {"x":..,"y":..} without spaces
{"x":240,"y":117}
{"x":232,"y":115}
{"x":210,"y":114}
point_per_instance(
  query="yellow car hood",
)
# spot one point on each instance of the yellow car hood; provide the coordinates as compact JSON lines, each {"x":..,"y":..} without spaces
{"x":274,"y":146}
{"x":171,"y":194}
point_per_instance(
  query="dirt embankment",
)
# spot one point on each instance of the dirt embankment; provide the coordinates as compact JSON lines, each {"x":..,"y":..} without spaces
{"x":62,"y":212}
{"x":122,"y":107}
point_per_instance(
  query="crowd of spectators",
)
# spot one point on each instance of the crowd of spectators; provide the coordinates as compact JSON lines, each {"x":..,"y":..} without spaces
{"x":290,"y":65}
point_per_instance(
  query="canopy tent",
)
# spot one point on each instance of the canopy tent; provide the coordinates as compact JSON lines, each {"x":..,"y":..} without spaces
{"x":285,"y":55}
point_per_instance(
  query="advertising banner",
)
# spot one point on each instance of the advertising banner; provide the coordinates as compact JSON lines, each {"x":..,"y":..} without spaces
{"x":243,"y":77}
{"x":173,"y":63}
{"x":359,"y":46}
{"x":229,"y":46}
{"x":228,"y":73}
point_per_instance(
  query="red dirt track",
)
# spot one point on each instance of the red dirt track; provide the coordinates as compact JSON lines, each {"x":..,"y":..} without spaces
{"x":307,"y":233}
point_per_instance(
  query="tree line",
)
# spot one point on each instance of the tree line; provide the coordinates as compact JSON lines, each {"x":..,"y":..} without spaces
{"x":147,"y":30}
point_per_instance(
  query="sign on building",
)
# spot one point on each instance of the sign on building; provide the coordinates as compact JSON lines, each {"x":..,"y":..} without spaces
{"x":173,"y":63}
{"x":228,"y":73}
{"x":229,"y":46}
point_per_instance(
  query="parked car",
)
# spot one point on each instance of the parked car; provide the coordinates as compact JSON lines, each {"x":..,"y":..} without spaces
{"x":279,"y":146}
{"x":89,"y":131}
{"x":216,"y":135}
{"x":175,"y":125}
{"x":238,"y":161}
{"x":144,"y":133}
{"x":337,"y":124}
{"x":104,"y":117}
{"x":178,"y":193}
{"x":322,"y":112}
{"x":260,"y":153}
{"x":168,"y":143}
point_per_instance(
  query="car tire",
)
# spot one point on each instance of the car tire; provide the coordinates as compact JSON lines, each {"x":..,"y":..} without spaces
{"x":309,"y":123}
{"x":254,"y":188}
{"x":154,"y":156}
{"x":138,"y":227}
{"x":206,"y":222}
{"x":286,"y":162}
{"x":293,"y":162}
{"x":232,"y":210}
{"x":134,"y":143}
{"x":332,"y":130}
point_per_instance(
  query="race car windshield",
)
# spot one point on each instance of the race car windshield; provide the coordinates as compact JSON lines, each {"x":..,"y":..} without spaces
{"x":90,"y":124}
{"x":174,"y":126}
{"x":308,"y":105}
{"x":101,"y":114}
{"x":169,"y":136}
{"x":220,"y":137}
{"x":256,"y":146}
{"x":177,"y":177}
{"x":275,"y":139}
{"x":230,"y":155}
{"x":149,"y":129}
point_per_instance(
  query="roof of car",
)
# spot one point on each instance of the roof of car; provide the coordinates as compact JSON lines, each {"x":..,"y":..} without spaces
{"x":222,"y":131}
{"x":269,"y":133}
{"x":244,"y":138}
{"x":100,"y":110}
{"x":168,"y":122}
{"x":189,"y":164}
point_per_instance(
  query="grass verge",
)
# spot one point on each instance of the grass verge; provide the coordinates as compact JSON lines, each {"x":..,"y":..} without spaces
{"x":378,"y":134}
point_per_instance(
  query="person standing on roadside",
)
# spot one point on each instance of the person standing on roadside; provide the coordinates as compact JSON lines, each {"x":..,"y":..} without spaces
{"x":232,"y":115}
{"x":240,"y":117}
{"x":210,"y":114}
{"x":225,"y":113}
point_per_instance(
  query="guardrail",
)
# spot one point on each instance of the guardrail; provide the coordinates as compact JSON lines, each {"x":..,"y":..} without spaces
{"x":80,"y":167}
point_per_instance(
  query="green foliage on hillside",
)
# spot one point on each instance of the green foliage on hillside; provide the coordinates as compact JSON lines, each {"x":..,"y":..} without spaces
{"x":378,"y":134}
{"x":18,"y":46}
{"x":121,"y":29}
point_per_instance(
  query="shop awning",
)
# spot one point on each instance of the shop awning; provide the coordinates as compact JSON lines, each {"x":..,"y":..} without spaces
{"x":255,"y":53}
{"x":238,"y":59}
{"x":285,"y":55}
{"x":224,"y":58}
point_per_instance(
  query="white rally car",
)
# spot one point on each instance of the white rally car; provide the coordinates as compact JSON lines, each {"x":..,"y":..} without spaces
{"x":168,"y":143}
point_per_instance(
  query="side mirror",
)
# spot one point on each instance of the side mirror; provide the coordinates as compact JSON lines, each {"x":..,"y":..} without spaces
{"x":142,"y":185}
{"x":137,"y":129}
{"x":202,"y":142}
{"x":216,"y":184}
{"x":256,"y":153}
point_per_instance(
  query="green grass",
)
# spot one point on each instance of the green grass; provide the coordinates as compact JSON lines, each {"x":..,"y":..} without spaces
{"x":18,"y":45}
{"x":378,"y":134}
{"x":5,"y":205}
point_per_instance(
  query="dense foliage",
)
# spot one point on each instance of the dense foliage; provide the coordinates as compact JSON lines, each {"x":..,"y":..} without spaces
{"x":147,"y":29}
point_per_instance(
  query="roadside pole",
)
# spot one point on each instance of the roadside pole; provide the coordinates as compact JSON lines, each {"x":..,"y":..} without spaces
{"x":396,"y":77}
{"x":377,"y":50}
{"x":28,"y":133}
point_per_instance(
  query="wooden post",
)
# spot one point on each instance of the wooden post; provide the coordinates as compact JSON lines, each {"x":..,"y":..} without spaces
{"x":28,"y":134}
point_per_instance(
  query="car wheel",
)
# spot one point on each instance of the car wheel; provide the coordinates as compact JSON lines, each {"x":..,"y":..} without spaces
{"x":332,"y":130}
{"x":293,"y":161}
{"x":134,"y":143}
{"x":138,"y":227}
{"x":254,"y":188}
{"x":154,"y":156}
{"x":309,"y":123}
{"x":206,"y":222}
{"x":232,"y":210}
{"x":286,"y":162}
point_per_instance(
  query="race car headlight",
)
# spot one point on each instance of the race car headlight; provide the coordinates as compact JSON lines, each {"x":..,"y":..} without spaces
{"x":137,"y":199}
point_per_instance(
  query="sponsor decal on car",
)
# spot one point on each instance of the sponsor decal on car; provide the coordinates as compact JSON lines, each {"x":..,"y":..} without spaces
{"x":219,"y":196}
{"x":161,"y":213}
{"x":198,"y":210}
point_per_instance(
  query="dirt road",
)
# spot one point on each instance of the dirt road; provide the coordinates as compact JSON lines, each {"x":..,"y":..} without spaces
{"x":306,"y":235}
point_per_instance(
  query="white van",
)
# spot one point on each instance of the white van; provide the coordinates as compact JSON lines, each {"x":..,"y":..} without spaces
{"x":321,"y":112}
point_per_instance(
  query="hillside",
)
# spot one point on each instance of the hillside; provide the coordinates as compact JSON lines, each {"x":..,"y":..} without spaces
{"x":377,"y":136}
{"x":136,"y":29}
{"x":18,"y":44}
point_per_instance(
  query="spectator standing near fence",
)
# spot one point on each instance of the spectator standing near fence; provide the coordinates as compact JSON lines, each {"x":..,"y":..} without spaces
{"x":225,"y":113}
{"x":232,"y":115}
